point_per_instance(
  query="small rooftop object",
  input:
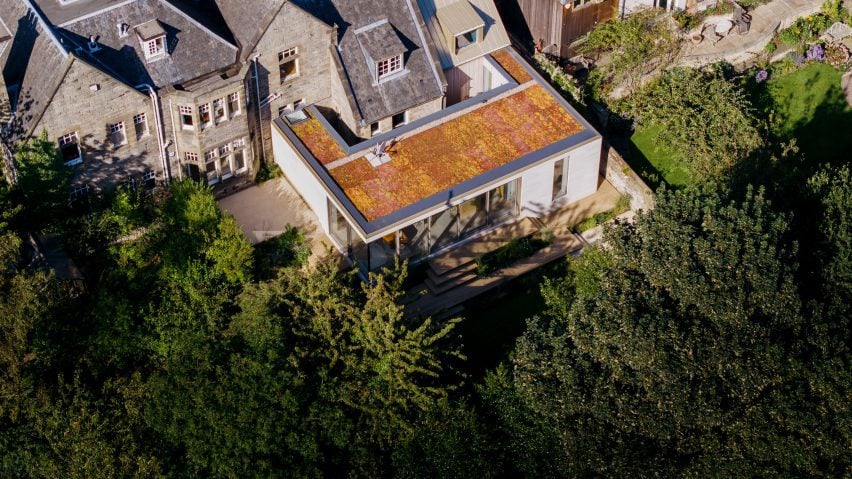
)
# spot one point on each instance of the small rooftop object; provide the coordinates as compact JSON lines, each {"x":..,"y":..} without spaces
{"x":378,"y":156}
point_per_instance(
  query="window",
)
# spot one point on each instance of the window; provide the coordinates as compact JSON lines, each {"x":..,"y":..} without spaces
{"x":204,"y":115}
{"x":375,"y":129}
{"x":224,"y":150}
{"x":117,"y":134}
{"x":389,"y":66}
{"x":69,"y":148}
{"x":140,"y":124}
{"x":186,"y":121}
{"x":559,"y":177}
{"x":210,"y":167}
{"x":219,"y":110}
{"x":467,"y":39}
{"x":400,"y":119}
{"x":155,"y":47}
{"x":191,"y":157}
{"x":149,"y":179}
{"x":239,"y":155}
{"x":240,"y":161}
{"x":234,"y":104}
{"x":288,"y":64}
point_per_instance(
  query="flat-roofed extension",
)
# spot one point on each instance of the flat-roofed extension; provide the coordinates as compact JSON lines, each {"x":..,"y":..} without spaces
{"x":456,"y":151}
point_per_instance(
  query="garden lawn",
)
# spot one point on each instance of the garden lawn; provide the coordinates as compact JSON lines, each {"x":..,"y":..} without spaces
{"x":809,"y":105}
{"x":656,"y":163}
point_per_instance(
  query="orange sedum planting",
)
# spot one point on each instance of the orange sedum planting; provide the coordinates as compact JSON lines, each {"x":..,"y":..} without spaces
{"x":456,"y":151}
{"x":317,"y":140}
{"x":511,"y":66}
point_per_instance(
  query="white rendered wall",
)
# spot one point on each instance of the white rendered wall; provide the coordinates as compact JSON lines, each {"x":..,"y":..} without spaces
{"x":583,"y":172}
{"x":306,"y":184}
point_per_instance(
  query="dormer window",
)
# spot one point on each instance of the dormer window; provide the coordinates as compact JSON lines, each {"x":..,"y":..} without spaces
{"x":467,"y":39}
{"x":155,"y":47}
{"x":388,"y":67}
{"x":122,"y":29}
{"x":152,"y":37}
{"x":462,"y":24}
{"x":383,"y":50}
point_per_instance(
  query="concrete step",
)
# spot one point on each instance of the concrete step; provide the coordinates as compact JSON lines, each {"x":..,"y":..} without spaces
{"x":438,"y":289}
{"x":439,"y":279}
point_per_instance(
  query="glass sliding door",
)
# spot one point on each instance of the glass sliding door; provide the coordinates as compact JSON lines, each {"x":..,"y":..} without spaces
{"x":473,"y":215}
{"x":414,"y":240}
{"x":444,"y":228}
{"x":503,"y":202}
{"x":339,"y":228}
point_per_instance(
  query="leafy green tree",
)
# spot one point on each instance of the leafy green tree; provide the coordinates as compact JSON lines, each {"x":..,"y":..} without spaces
{"x":449,"y":441}
{"x":44,"y":180}
{"x":631,"y":47}
{"x":315,"y":375}
{"x":707,"y":121}
{"x":685,"y":354}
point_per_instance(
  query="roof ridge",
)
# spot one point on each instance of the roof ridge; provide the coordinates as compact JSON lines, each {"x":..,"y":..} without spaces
{"x":199,"y":24}
{"x":95,"y":13}
{"x":46,"y":26}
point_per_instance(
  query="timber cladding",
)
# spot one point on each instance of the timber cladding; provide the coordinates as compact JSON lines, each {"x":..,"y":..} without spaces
{"x":557,"y":26}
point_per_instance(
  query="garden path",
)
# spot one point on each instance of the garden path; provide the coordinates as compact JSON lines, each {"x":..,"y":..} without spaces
{"x":737,"y":49}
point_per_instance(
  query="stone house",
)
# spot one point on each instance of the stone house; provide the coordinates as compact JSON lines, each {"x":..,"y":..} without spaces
{"x":408,"y":126}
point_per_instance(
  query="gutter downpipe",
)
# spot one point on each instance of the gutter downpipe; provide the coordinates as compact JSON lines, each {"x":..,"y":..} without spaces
{"x":259,"y":108}
{"x":174,"y":133}
{"x":160,"y":135}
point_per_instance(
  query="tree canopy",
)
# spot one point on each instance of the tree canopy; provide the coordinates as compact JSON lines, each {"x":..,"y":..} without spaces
{"x":707,"y":121}
{"x":685,"y":348}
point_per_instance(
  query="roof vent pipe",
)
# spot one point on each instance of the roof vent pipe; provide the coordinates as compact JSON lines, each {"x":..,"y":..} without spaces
{"x":93,"y":44}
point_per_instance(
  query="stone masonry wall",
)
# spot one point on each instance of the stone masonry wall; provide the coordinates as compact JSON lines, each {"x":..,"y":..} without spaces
{"x":292,"y":27}
{"x":625,"y":180}
{"x":87,"y":102}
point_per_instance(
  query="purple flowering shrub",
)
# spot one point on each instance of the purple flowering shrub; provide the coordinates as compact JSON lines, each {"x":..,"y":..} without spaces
{"x":761,"y":76}
{"x":815,"y":53}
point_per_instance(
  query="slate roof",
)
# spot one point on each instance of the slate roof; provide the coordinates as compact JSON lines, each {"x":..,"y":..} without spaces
{"x":194,"y":50}
{"x":34,"y":64}
{"x":422,"y":80}
{"x":249,"y":28}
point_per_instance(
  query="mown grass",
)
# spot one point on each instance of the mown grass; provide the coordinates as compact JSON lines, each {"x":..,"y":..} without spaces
{"x":657,"y":163}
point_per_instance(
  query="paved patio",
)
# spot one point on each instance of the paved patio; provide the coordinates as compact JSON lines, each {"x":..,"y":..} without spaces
{"x":263,"y":211}
{"x":739,"y":49}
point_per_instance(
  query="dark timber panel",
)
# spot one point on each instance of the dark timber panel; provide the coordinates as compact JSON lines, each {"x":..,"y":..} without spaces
{"x":579,"y":21}
{"x":544,"y":19}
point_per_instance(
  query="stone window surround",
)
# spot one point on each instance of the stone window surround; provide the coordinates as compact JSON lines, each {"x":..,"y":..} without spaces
{"x":118,"y":133}
{"x":388,"y":67}
{"x":289,"y":55}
